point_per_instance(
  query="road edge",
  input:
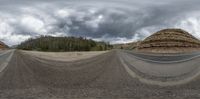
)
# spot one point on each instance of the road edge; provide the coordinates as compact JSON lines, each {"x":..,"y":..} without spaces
{"x":4,"y":64}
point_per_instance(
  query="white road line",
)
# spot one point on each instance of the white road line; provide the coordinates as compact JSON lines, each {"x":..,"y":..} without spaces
{"x":3,"y":66}
{"x":166,"y":62}
{"x":165,"y":54}
{"x":3,"y":53}
{"x":156,"y":82}
{"x":162,"y":70}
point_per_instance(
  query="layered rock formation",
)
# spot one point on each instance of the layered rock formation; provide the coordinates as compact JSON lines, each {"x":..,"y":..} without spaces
{"x":2,"y":45}
{"x":127,"y":46}
{"x":170,"y":41}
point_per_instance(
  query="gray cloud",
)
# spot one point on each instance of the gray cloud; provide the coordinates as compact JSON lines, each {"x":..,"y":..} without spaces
{"x":116,"y":21}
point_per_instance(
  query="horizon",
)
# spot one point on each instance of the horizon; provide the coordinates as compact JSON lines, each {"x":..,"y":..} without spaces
{"x":123,"y":22}
{"x":97,"y":40}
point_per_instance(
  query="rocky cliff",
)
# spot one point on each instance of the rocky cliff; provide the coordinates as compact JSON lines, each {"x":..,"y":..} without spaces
{"x":170,"y":41}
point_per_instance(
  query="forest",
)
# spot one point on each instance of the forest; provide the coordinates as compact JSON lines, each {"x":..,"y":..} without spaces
{"x":61,"y":44}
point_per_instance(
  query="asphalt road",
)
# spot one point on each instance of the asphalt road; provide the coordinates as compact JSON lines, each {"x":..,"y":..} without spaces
{"x":5,"y":57}
{"x":113,"y":75}
{"x":165,"y":58}
{"x":162,"y":68}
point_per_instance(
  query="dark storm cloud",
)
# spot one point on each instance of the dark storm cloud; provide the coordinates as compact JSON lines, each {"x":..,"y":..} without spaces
{"x":115,"y":21}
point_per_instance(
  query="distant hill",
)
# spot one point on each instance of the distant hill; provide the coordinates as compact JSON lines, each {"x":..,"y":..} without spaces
{"x":127,"y":46}
{"x":57,"y":44}
{"x":3,"y":45}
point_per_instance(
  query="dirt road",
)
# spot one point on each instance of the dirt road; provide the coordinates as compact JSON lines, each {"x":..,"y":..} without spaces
{"x":112,"y":75}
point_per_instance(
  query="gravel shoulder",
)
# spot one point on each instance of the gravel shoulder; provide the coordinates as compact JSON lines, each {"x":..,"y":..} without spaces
{"x":64,"y":56}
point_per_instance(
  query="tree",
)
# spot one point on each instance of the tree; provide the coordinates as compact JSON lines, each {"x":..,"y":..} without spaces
{"x":48,"y":43}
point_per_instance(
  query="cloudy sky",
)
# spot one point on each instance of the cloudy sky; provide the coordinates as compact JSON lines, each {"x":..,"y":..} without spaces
{"x":115,"y":21}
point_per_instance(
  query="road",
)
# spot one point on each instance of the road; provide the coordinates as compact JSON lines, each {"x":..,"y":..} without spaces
{"x":5,"y":57}
{"x":165,"y":58}
{"x":164,"y":73}
{"x":113,"y":75}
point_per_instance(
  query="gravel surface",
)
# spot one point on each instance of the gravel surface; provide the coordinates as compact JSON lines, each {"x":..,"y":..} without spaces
{"x":64,"y":56}
{"x":103,"y":76}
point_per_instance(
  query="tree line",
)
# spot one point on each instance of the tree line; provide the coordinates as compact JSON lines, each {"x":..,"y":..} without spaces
{"x":59,"y":44}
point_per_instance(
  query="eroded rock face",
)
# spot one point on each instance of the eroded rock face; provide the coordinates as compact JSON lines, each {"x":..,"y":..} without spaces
{"x":170,"y":41}
{"x":2,"y":45}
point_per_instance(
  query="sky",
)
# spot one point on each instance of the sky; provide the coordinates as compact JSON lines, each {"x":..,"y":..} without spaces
{"x":114,"y":21}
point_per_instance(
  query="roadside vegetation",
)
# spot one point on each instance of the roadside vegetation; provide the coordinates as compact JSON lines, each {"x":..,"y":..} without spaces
{"x":61,"y":44}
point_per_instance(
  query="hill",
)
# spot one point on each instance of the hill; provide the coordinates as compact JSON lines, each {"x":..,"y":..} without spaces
{"x":3,"y":45}
{"x":59,"y":44}
{"x":170,"y":41}
{"x":127,"y":46}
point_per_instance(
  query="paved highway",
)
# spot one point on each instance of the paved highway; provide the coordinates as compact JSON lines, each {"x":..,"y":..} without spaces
{"x":165,"y":58}
{"x":162,"y":73}
{"x":114,"y":75}
{"x":5,"y":57}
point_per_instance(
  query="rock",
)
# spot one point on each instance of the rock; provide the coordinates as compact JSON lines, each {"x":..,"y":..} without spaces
{"x":170,"y":41}
{"x":3,"y":46}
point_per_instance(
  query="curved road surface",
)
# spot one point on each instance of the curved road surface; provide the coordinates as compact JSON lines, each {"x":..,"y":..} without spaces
{"x":165,"y":58}
{"x":113,"y":75}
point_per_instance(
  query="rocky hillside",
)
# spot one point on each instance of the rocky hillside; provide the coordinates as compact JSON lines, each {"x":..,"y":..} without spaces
{"x":170,"y":41}
{"x":127,"y":46}
{"x":2,"y":45}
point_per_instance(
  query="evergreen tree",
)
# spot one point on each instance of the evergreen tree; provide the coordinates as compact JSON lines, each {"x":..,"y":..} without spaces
{"x":48,"y":43}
